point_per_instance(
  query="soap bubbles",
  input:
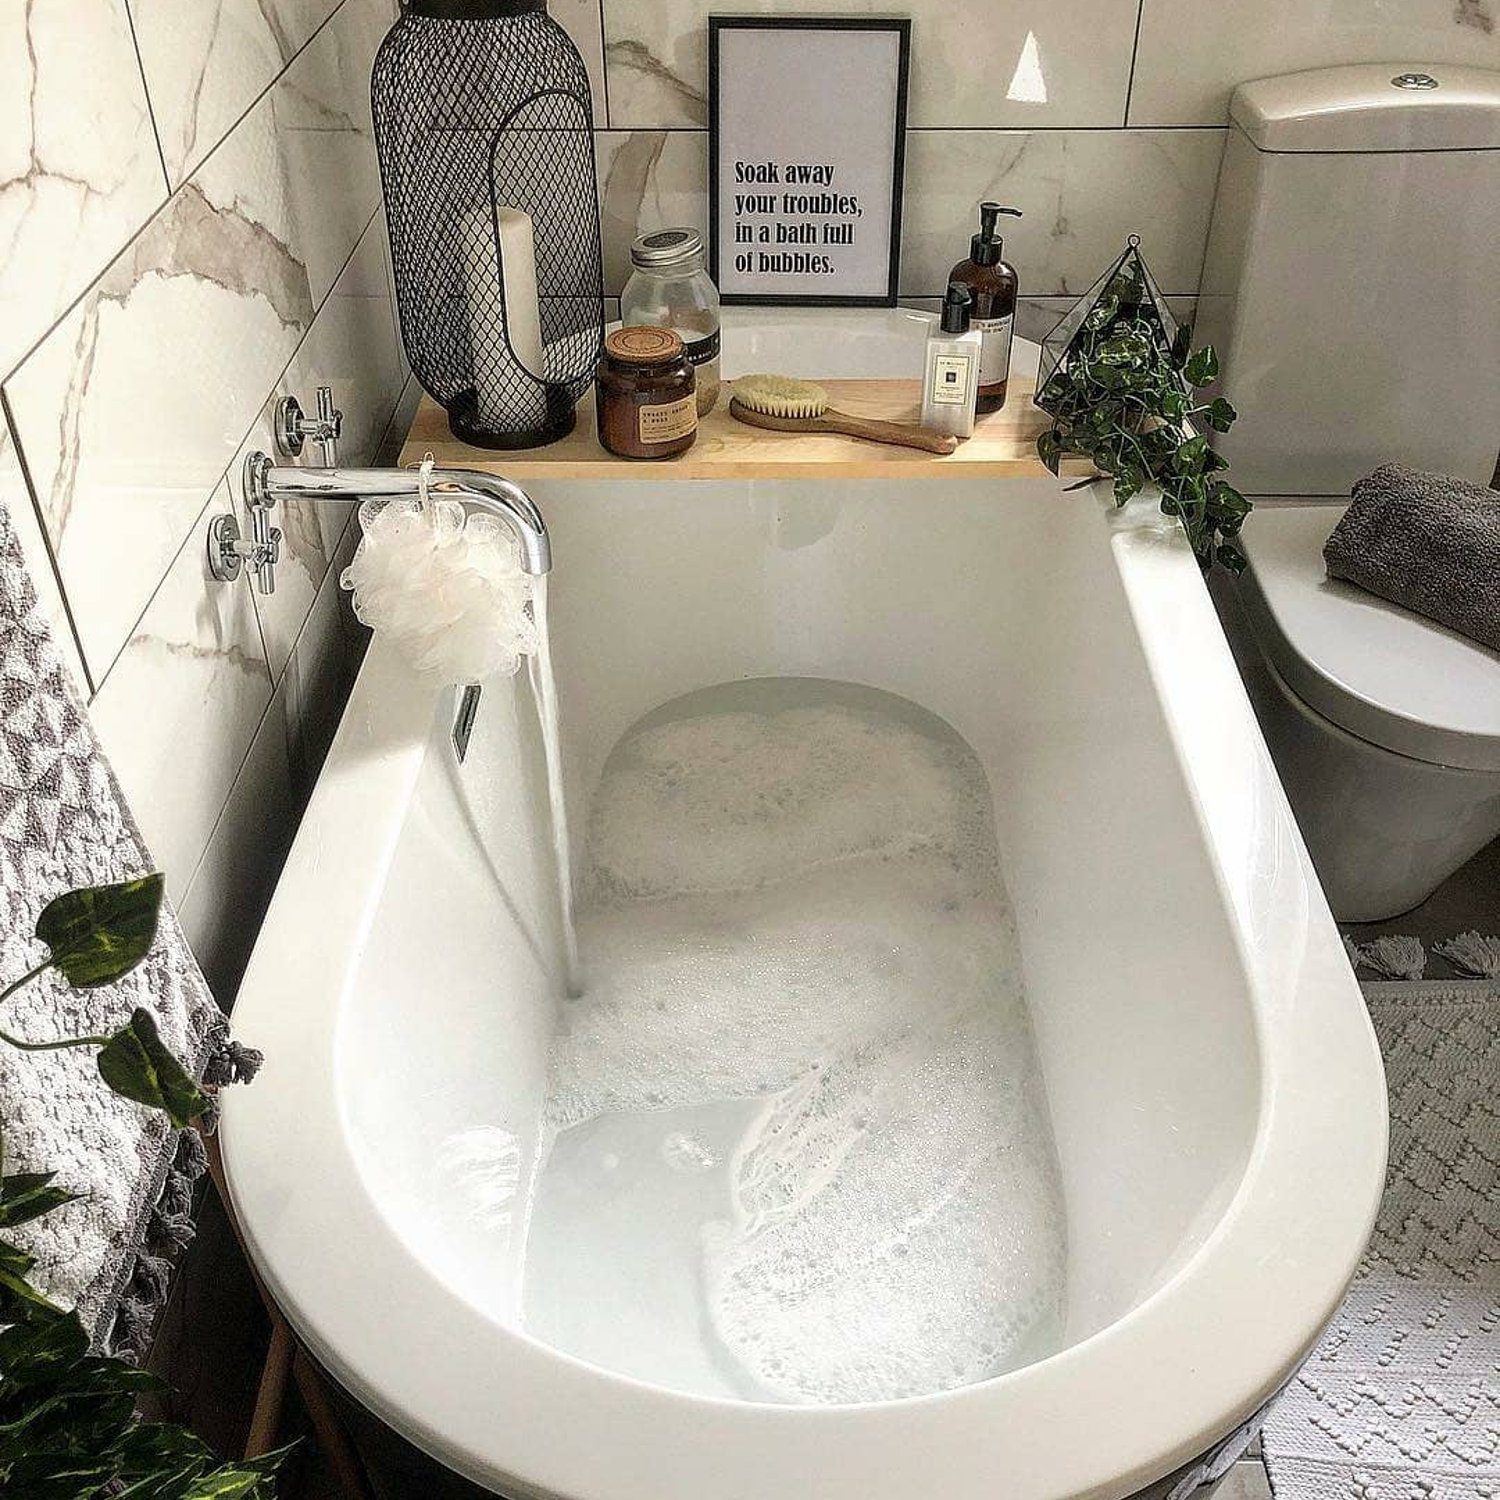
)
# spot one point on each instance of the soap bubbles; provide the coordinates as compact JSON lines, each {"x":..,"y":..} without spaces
{"x":446,"y":587}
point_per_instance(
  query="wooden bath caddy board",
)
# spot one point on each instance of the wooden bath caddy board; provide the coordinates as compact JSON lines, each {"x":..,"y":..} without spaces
{"x":1003,"y":445}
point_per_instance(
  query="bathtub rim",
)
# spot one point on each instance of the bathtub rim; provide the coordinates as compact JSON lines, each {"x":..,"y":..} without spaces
{"x":1204,"y":1347}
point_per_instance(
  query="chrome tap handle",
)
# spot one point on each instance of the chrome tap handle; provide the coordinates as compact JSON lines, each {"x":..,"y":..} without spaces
{"x":330,"y":426}
{"x":265,"y":576}
{"x":294,"y":427}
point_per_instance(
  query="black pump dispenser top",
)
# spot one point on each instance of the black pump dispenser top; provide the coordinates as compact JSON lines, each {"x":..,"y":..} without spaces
{"x":985,"y":247}
{"x":956,"y":308}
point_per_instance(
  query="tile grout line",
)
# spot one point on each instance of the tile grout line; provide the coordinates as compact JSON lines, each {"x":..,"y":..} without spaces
{"x":192,"y":171}
{"x":390,"y":421}
{"x":31,"y":499}
{"x":953,"y":129}
{"x":1135,"y":51}
{"x":140,"y":67}
{"x":223,"y":474}
{"x":151,"y":218}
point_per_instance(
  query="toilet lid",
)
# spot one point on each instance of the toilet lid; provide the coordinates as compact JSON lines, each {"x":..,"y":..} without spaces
{"x":1371,"y":667}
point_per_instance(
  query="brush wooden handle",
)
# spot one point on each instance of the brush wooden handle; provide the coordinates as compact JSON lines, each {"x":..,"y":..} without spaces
{"x":897,"y":433}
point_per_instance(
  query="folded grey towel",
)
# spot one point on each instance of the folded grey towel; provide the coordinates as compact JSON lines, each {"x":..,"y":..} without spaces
{"x":1428,"y":542}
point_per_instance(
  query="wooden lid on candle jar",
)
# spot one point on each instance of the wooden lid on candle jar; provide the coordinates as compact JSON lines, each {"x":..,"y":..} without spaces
{"x":644,"y":346}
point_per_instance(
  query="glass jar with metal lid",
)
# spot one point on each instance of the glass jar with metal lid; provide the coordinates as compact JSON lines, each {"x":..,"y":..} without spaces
{"x":645,"y":394}
{"x":670,"y":288}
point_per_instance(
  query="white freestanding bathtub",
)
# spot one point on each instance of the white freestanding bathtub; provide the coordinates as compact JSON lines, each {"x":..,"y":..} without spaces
{"x":1214,"y":1090}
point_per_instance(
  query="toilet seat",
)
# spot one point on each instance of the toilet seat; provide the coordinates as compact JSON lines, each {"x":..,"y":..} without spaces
{"x":1384,"y":674}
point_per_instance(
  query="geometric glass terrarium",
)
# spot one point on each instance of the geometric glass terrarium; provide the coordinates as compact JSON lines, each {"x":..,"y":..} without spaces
{"x":1127,"y":291}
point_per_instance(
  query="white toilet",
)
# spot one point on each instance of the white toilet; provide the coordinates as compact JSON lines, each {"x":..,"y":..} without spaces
{"x":1351,"y":290}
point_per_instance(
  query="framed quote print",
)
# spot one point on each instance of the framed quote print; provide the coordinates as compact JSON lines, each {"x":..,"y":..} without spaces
{"x":807,"y":143}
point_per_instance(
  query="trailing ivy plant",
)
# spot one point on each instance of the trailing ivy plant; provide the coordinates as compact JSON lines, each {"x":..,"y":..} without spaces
{"x":68,"y":1423}
{"x":1127,"y":400}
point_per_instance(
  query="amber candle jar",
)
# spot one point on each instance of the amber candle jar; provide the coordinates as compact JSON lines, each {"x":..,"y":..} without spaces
{"x":645,"y":392}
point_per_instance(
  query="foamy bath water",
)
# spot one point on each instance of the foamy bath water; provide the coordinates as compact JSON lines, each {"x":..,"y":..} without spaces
{"x":799,"y":1148}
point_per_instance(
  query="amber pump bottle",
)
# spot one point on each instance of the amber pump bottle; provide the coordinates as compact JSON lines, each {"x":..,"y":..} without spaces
{"x":992,"y":286}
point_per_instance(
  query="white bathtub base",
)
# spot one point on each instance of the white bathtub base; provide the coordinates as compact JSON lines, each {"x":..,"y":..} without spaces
{"x":1215,"y":1089}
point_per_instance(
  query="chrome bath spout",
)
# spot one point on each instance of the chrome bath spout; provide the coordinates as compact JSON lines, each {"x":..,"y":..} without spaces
{"x":266,"y":483}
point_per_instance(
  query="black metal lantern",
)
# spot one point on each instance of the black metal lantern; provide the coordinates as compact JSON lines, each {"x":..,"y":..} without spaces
{"x":1127,"y":290}
{"x":484,"y":129}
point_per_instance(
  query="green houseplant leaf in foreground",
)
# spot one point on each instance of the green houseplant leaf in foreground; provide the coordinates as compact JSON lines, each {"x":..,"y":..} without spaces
{"x":68,"y":1423}
{"x":135,"y":1063}
{"x":100,"y":934}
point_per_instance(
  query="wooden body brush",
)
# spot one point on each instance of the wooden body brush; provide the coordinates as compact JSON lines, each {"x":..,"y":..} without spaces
{"x":784,"y":405}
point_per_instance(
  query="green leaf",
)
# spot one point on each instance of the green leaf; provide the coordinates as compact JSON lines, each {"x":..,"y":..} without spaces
{"x":237,"y":1481}
{"x":1226,"y":498}
{"x":29,"y":1195}
{"x":1191,"y":455}
{"x":135,"y":1063}
{"x":99,"y":934}
{"x":36,"y":1353}
{"x":19,"y":1300}
{"x":1181,"y":346}
{"x":1128,"y":484}
{"x":1049,"y":448}
{"x":1219,"y":414}
{"x":1202,"y":367}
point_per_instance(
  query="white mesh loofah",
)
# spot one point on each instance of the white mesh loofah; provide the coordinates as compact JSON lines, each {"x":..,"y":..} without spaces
{"x":446,"y":587}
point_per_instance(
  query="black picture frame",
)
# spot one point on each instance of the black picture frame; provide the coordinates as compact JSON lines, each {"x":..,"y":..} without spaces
{"x":901,"y":26}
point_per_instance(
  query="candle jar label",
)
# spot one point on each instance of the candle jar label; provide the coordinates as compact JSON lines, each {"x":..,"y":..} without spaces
{"x":668,"y":422}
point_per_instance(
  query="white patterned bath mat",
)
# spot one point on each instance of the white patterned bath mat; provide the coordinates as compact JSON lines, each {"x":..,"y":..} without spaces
{"x":1400,"y":1400}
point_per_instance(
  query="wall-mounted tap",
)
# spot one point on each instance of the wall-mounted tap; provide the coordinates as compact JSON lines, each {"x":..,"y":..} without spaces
{"x":265,"y":483}
{"x":228,"y":551}
{"x":293,"y":428}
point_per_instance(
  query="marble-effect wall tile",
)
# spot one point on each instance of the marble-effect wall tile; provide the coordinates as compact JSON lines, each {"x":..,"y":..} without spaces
{"x":205,"y":64}
{"x":648,"y":179}
{"x":179,"y":710}
{"x":325,"y":136}
{"x":582,"y":21}
{"x":351,"y":347}
{"x":222,"y":908}
{"x":1192,"y":55}
{"x":188,"y":330}
{"x":1083,"y":192}
{"x":320,"y":674}
{"x":393,"y":440}
{"x":1026,"y":63}
{"x":79,"y":170}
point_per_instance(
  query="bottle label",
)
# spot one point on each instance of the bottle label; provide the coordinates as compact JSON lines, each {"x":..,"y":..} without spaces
{"x":994,"y":360}
{"x":704,"y":350}
{"x":668,"y":422}
{"x":950,"y":379}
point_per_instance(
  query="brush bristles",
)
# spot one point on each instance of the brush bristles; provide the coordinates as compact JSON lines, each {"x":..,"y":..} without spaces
{"x":781,"y":396}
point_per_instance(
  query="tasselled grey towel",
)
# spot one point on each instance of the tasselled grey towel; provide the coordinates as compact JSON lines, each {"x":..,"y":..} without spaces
{"x":1428,"y":542}
{"x":64,"y":823}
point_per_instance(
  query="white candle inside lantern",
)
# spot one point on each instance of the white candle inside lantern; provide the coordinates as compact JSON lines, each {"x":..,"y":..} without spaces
{"x":504,"y":403}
